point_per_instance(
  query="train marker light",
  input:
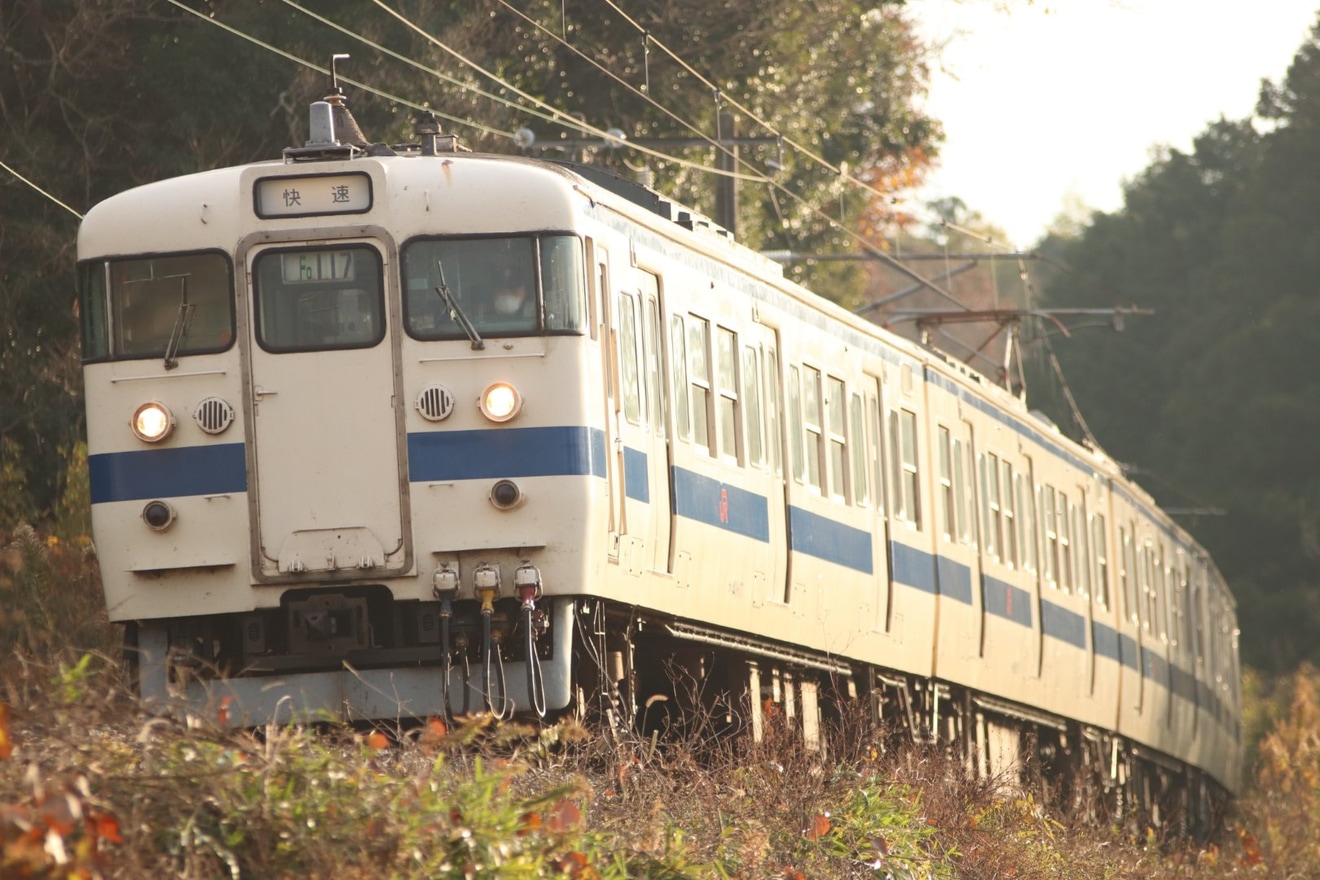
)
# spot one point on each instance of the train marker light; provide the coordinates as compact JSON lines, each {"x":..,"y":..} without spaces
{"x":506,"y":495}
{"x":500,"y":402}
{"x":158,"y":515}
{"x":152,"y":422}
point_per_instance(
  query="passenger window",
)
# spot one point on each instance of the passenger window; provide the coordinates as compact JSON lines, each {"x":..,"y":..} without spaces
{"x":860,"y":482}
{"x":678,"y":366}
{"x":907,"y":485}
{"x":751,"y":377}
{"x":795,"y":424}
{"x":812,"y":424}
{"x":1099,"y":543}
{"x":630,"y":373}
{"x":835,"y":412}
{"x":726,"y":373}
{"x":945,"y":447}
{"x":1009,"y":512}
{"x":699,"y":382}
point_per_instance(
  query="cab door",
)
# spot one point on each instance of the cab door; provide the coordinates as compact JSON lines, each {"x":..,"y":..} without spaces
{"x":327,"y":440}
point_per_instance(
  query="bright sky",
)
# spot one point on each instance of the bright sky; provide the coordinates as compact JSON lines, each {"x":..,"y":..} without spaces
{"x":1047,"y":100}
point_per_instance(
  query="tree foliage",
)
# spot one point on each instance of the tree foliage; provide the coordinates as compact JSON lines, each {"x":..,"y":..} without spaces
{"x":1215,"y":400}
{"x":100,"y":95}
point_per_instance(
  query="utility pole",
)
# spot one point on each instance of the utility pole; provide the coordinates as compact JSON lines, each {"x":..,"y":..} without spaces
{"x":726,"y":160}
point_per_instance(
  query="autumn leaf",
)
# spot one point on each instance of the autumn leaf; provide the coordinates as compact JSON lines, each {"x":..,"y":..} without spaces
{"x":531,"y":821}
{"x":377,"y":740}
{"x":564,"y":817}
{"x":820,"y":826}
{"x":222,"y":712}
{"x":6,"y":743}
{"x":105,"y":827}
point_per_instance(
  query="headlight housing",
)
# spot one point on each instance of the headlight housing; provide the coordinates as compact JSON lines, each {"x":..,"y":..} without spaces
{"x":500,"y":402}
{"x":152,"y":422}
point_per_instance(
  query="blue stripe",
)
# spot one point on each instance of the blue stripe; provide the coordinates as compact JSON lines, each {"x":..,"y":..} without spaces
{"x":1105,"y":639}
{"x":913,"y":567}
{"x":953,"y":579}
{"x":1153,"y":666}
{"x":1005,"y":600}
{"x":172,"y":472}
{"x":721,"y":505}
{"x":636,"y":481}
{"x":1059,"y":623}
{"x":506,"y":452}
{"x":832,"y":541}
{"x":1127,"y":652}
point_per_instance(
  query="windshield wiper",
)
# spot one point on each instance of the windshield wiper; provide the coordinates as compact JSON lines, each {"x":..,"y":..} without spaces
{"x":181,"y":324}
{"x":455,"y":312}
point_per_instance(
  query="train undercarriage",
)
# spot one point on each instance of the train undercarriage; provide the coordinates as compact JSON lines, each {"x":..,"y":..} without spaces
{"x":356,"y":654}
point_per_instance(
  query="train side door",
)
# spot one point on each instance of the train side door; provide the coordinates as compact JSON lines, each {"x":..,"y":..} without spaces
{"x":609,"y":369}
{"x":328,"y":437}
{"x":660,"y":458}
{"x":641,"y":497}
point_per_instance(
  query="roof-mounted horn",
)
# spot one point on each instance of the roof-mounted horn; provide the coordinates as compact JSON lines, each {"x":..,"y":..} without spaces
{"x":333,"y":133}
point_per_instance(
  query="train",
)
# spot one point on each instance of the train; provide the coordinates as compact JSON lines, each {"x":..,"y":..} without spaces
{"x":399,"y":431}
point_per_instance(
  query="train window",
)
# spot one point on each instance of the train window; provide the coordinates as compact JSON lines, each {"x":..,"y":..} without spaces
{"x":316,"y":299}
{"x":1027,"y":535}
{"x":1063,"y":512}
{"x":993,"y":538}
{"x":795,"y":424}
{"x":699,"y":382}
{"x":812,"y":407}
{"x":491,"y":283}
{"x":93,"y":310}
{"x":1050,"y":558}
{"x":563,"y":283}
{"x":836,"y":423}
{"x":678,"y":366}
{"x":1100,"y":544}
{"x":1082,"y":540}
{"x":944,"y":446}
{"x":629,"y":370}
{"x":1009,"y":512}
{"x":178,"y":305}
{"x":1128,"y":573}
{"x":861,"y":483}
{"x":772,"y":392}
{"x":726,"y":399}
{"x":751,"y":376}
{"x":907,"y":474}
{"x":651,"y":349}
{"x":877,"y":452}
{"x":962,"y":500}
{"x":1198,"y":611}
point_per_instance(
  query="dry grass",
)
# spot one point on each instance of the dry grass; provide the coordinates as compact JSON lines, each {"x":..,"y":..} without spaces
{"x":91,"y":787}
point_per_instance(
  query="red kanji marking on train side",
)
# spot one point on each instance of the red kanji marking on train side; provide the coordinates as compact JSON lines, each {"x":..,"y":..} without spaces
{"x":724,"y":505}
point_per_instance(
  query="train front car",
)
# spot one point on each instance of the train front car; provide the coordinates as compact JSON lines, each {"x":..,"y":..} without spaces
{"x":339,"y":432}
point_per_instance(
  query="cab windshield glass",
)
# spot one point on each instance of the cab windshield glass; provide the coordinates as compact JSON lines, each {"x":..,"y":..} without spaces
{"x":507,"y":286}
{"x":182,"y":304}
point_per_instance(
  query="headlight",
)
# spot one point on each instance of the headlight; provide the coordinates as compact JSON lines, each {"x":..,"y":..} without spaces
{"x":501,"y":402}
{"x":152,"y":422}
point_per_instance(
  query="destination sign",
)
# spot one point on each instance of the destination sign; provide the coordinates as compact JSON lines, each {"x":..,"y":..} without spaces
{"x":313,"y":195}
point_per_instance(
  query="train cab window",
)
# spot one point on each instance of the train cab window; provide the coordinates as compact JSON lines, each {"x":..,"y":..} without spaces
{"x":726,"y":395}
{"x":155,"y":307}
{"x":837,"y":439}
{"x":315,"y":299}
{"x":679,"y":377}
{"x":502,"y":286}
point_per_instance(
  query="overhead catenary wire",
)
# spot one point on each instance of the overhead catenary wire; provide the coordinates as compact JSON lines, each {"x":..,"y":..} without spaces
{"x":38,"y":189}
